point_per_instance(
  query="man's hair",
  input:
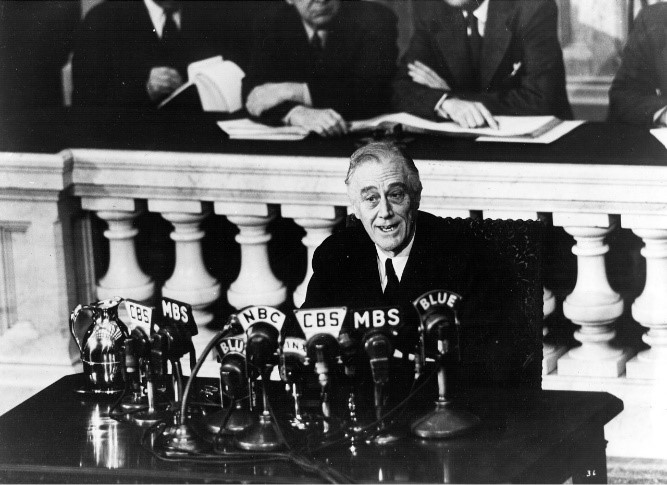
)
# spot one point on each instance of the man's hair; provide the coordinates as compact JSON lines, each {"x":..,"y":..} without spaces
{"x":384,"y":152}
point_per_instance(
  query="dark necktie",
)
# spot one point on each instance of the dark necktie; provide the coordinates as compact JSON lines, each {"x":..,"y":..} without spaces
{"x":316,"y":44}
{"x":170,"y":30}
{"x":474,"y":40}
{"x":392,"y":290}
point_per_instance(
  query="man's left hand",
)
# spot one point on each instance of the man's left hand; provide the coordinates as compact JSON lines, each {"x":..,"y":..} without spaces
{"x":268,"y":95}
{"x":422,"y":74}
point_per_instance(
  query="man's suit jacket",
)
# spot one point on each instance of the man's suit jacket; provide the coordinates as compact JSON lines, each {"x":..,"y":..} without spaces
{"x":521,"y":66}
{"x":356,"y":68}
{"x":639,"y":89}
{"x":117,"y":48}
{"x":443,"y":256}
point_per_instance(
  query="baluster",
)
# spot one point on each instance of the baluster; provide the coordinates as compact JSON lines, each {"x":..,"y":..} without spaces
{"x":593,"y":304}
{"x":190,"y":282}
{"x":124,"y":277}
{"x":550,"y":351}
{"x":256,"y":283}
{"x":318,"y":221}
{"x":650,"y":308}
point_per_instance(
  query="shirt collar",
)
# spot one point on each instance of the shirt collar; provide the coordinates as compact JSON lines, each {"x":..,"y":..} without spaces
{"x":157,"y":15}
{"x":311,"y":32}
{"x":482,"y":12}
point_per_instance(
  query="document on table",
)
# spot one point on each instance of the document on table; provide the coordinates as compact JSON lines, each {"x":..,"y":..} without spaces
{"x":661,"y":135}
{"x":509,"y":126}
{"x":246,"y":129}
{"x":562,"y":129}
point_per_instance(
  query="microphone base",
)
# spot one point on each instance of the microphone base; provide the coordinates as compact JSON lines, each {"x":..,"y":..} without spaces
{"x":261,"y":436}
{"x":183,"y":439}
{"x":444,"y":422}
{"x":134,"y":402}
{"x":146,"y":419}
{"x":236,"y":421}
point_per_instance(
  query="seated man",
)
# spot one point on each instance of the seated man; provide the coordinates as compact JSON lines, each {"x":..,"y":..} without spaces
{"x":136,"y":53}
{"x":469,"y":60}
{"x":319,"y":63}
{"x":398,"y":253}
{"x":638,"y":93}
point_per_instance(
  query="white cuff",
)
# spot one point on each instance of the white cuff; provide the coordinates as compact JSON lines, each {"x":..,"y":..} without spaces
{"x":658,"y":114}
{"x":438,"y":105}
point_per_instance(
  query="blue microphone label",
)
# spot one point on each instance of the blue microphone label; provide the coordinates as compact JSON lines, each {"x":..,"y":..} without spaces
{"x":431,"y":300}
{"x":233,"y":345}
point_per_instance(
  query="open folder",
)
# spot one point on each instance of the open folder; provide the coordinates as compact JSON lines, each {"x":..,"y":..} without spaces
{"x":246,"y":129}
{"x":509,"y":126}
{"x":218,"y":83}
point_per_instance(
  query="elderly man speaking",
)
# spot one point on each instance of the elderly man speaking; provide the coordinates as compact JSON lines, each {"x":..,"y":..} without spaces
{"x":398,"y":253}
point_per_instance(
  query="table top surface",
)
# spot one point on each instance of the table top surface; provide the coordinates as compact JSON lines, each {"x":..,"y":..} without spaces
{"x":58,"y":436}
{"x":50,"y":131}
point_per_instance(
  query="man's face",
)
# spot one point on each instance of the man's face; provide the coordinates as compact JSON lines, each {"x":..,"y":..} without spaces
{"x":383,"y":201}
{"x":316,"y":13}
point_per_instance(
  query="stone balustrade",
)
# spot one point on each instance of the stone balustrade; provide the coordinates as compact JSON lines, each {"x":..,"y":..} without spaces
{"x":46,"y":252}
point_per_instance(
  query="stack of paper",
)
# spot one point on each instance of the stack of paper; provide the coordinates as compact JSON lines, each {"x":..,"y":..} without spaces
{"x":245,"y":129}
{"x":530,"y":129}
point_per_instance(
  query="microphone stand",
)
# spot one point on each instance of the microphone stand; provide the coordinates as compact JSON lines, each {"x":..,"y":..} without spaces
{"x":443,"y":421}
{"x":379,"y":349}
{"x":264,"y":435}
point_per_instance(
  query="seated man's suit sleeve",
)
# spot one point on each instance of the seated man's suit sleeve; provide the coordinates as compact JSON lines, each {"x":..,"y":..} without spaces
{"x":96,"y":78}
{"x":367,"y":91}
{"x":633,"y":97}
{"x":537,"y":88}
{"x":357,"y":71}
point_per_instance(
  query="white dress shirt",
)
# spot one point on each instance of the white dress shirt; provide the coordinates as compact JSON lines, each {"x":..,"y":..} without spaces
{"x":159,"y":16}
{"x":399,"y":261}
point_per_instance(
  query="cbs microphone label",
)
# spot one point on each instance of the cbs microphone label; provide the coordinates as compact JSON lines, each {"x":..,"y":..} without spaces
{"x":321,"y":320}
{"x":140,"y":315}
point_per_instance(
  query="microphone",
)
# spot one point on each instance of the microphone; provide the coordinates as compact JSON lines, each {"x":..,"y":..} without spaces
{"x":136,"y":346}
{"x":322,"y":326}
{"x":234,"y":384}
{"x":292,"y":369}
{"x":378,"y":326}
{"x":262,"y":325}
{"x":438,"y":311}
{"x":293,"y":360}
{"x":379,"y":349}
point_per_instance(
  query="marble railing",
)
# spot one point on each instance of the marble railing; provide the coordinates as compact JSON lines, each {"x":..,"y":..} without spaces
{"x":46,"y":249}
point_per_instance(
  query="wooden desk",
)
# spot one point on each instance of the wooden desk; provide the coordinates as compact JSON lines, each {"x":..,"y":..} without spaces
{"x":529,"y":436}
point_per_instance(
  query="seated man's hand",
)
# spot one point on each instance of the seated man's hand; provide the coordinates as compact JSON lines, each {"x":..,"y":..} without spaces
{"x":468,"y":114}
{"x":422,"y":74}
{"x":269,"y":95}
{"x":162,"y":81}
{"x":324,"y":122}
